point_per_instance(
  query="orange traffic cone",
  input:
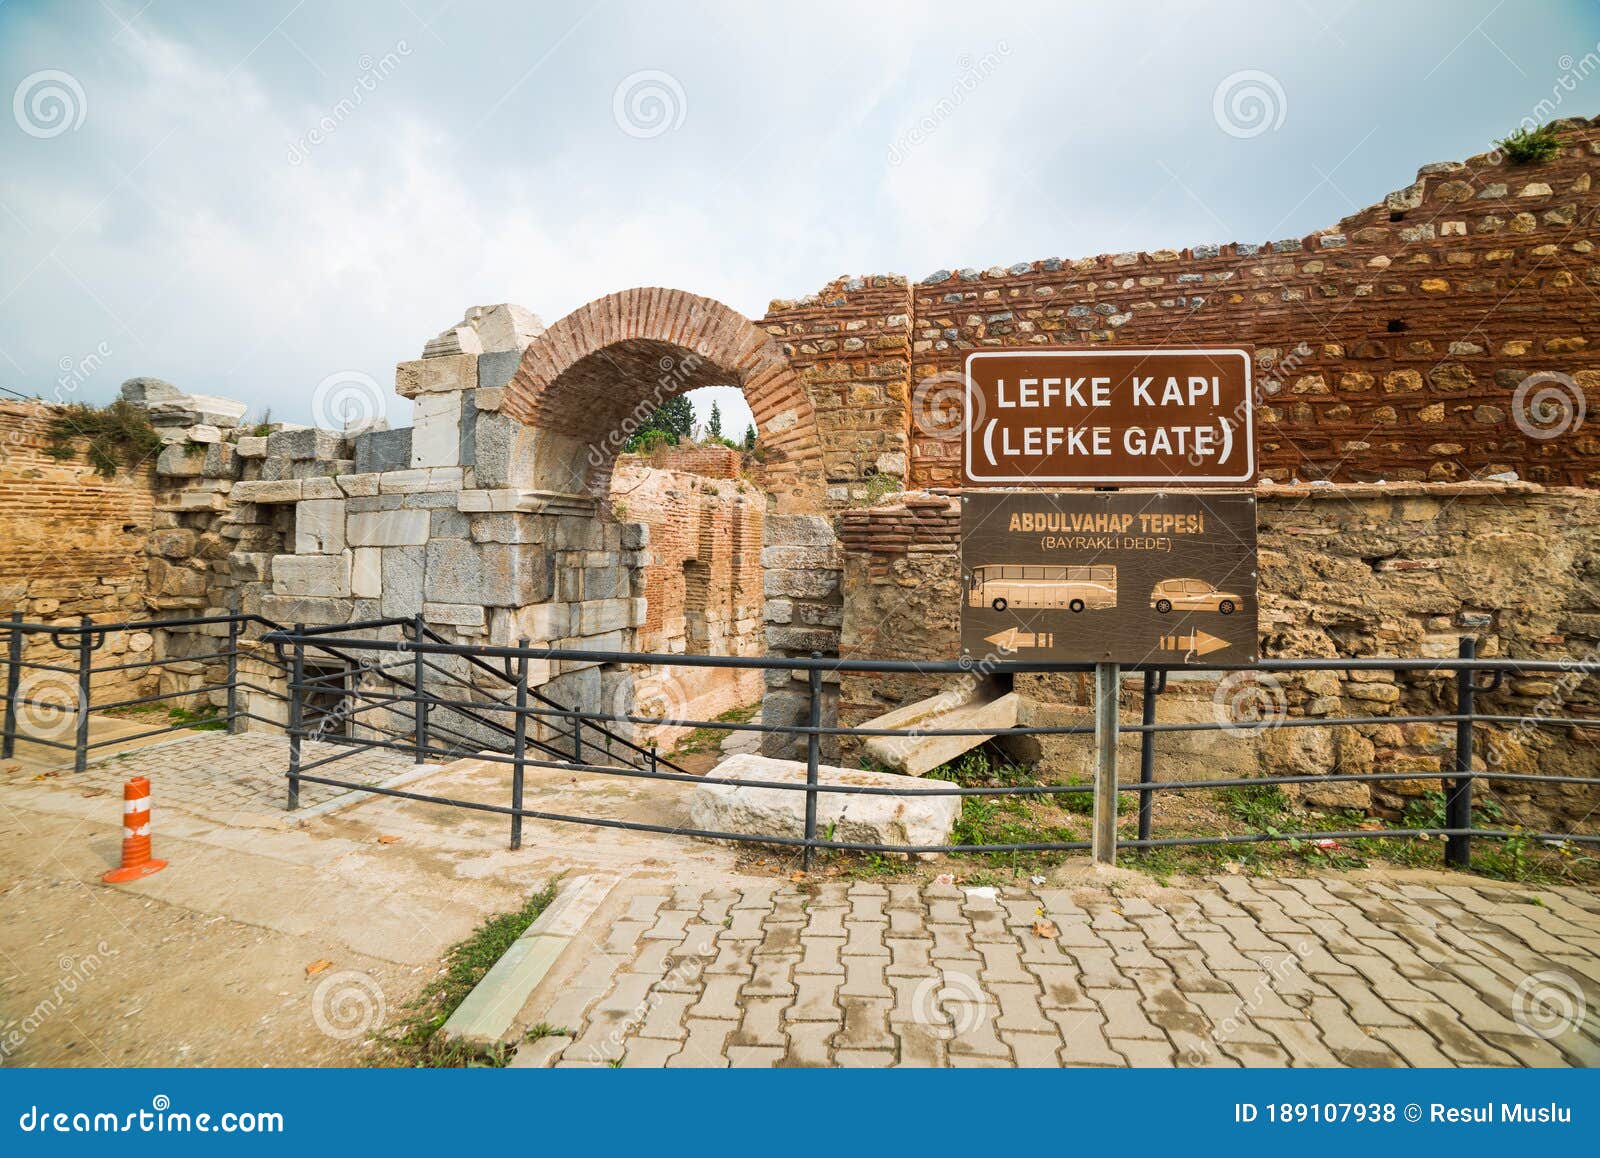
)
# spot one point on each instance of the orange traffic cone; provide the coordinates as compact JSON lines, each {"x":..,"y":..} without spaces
{"x":136,"y":859}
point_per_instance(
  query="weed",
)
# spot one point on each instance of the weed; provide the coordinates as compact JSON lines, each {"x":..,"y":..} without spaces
{"x":116,"y":435}
{"x":1530,"y":146}
{"x":544,"y":1029}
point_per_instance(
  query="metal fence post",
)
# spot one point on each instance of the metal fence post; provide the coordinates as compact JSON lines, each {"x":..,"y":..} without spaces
{"x":80,"y":747}
{"x":297,"y":673}
{"x":1458,"y":797}
{"x":13,"y":682}
{"x":233,"y":675}
{"x":1147,"y":754}
{"x":420,"y":705}
{"x":519,"y":746}
{"x":1107,"y":685}
{"x":813,"y":753}
{"x":577,"y":734}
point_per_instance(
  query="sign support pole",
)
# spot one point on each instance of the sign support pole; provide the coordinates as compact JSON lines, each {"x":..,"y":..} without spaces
{"x":1107,"y":685}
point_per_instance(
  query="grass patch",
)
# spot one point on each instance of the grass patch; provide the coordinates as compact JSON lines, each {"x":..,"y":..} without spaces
{"x":1021,"y":819}
{"x":206,"y":719}
{"x":710,"y":739}
{"x":414,"y":1041}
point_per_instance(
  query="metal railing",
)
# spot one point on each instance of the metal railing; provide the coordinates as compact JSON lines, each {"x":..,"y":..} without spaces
{"x":65,"y":691}
{"x":527,"y":721}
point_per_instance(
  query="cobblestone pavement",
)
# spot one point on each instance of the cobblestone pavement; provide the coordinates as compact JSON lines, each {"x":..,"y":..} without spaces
{"x":1235,"y":971}
{"x":231,"y":776}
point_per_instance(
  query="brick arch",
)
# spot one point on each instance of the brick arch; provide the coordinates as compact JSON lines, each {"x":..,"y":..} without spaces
{"x":585,"y":383}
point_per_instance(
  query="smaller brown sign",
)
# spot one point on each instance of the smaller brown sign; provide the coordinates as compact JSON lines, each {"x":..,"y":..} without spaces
{"x":1124,"y":577}
{"x":1110,"y":417}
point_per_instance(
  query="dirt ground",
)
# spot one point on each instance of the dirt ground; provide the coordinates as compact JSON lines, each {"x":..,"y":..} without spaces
{"x":102,"y":976}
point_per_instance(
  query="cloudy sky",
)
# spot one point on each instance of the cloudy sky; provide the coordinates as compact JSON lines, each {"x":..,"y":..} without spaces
{"x":248,"y":198}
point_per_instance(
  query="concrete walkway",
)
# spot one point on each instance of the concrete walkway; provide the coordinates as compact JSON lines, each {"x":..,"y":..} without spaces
{"x":1236,"y":971}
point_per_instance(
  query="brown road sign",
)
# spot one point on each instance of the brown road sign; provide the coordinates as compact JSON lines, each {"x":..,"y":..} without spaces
{"x":1124,"y":577}
{"x":1110,"y":417}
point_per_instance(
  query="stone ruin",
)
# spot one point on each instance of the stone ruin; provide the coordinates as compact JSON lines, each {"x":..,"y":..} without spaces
{"x":1408,"y":497}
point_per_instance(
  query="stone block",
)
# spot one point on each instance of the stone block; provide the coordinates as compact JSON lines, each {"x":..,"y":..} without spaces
{"x":892,"y":820}
{"x":455,"y":614}
{"x":388,"y":529}
{"x":800,"y":584}
{"x":358,"y":486}
{"x":291,"y":609}
{"x":635,"y":536}
{"x":403,"y":570}
{"x":435,"y":430}
{"x":801,"y":639}
{"x":150,"y":391}
{"x":172,"y":581}
{"x":495,"y":369}
{"x":446,"y":375}
{"x":801,"y":558}
{"x":221,"y":461}
{"x":429,"y":480}
{"x":447,"y":522}
{"x":317,"y":576}
{"x":172,"y":543}
{"x":500,"y":447}
{"x":180,"y":461}
{"x":597,"y":616}
{"x":378,"y":450}
{"x":319,"y":527}
{"x":251,"y":446}
{"x":467,"y":429}
{"x":308,"y":443}
{"x":366,"y":573}
{"x":204,"y":433}
{"x":488,"y":573}
{"x":799,"y":531}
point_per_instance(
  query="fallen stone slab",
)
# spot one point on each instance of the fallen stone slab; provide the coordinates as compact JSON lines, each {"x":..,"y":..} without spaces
{"x":854,"y":817}
{"x":983,"y":705}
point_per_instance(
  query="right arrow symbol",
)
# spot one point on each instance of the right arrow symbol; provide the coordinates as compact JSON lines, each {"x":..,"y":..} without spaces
{"x":1197,"y":641}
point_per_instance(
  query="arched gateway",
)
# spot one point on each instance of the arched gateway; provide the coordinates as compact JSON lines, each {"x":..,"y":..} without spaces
{"x":587,"y":383}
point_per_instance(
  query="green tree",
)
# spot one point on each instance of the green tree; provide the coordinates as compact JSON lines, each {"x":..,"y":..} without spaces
{"x":714,"y":426}
{"x":670,"y":424}
{"x":750,"y":437}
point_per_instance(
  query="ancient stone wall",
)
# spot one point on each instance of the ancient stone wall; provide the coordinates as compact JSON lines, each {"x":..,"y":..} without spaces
{"x":1361,"y":570}
{"x":73,"y":545}
{"x":702,"y":585}
{"x":1390,"y":347}
{"x":851,"y":345}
